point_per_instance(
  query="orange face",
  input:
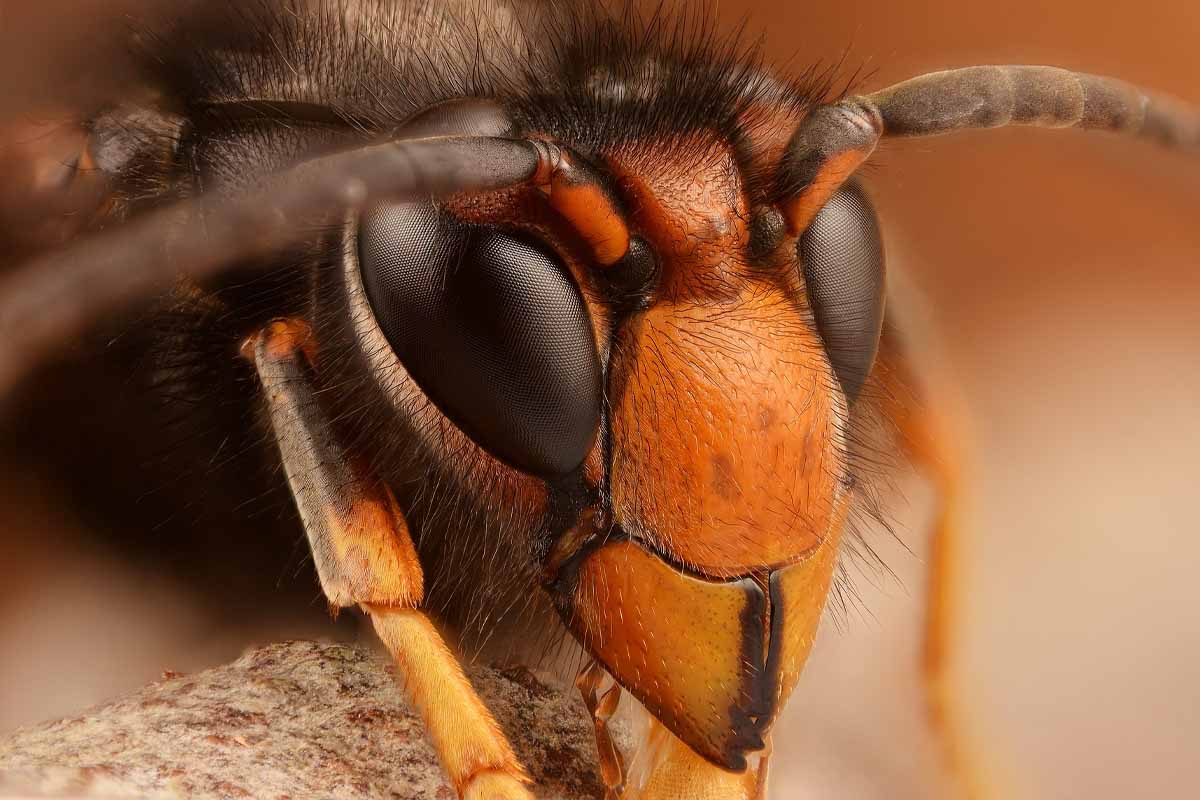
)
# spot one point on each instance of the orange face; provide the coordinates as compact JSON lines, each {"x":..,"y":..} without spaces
{"x":727,"y":469}
{"x":689,"y":541}
{"x":726,"y":451}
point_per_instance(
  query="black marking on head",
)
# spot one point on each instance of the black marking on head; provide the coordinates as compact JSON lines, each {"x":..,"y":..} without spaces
{"x":767,"y":229}
{"x":632,"y":280}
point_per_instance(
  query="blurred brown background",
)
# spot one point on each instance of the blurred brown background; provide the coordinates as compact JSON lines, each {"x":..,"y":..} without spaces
{"x":1060,"y":272}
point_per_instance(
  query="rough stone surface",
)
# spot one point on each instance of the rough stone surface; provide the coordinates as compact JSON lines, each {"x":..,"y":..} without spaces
{"x":293,"y":720}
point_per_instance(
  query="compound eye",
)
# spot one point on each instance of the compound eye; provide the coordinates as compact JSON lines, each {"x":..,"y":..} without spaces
{"x":493,"y":329}
{"x":842,"y":257}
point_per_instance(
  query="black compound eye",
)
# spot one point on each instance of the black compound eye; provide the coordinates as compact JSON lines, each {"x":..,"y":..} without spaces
{"x":492,"y":327}
{"x":842,"y":256}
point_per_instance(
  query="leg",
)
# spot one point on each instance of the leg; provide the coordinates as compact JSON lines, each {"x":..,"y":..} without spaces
{"x":365,"y":557}
{"x":470,"y":746}
{"x":664,"y":767}
{"x":602,"y":707}
{"x":931,"y":441}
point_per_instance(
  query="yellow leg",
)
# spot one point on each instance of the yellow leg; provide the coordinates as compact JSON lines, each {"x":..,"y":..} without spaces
{"x":473,"y":751}
{"x":602,"y":705}
{"x":932,"y":443}
{"x":941,"y":624}
{"x":365,"y":556}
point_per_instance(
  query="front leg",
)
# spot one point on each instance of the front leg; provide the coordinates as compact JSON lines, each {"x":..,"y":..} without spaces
{"x":365,"y":557}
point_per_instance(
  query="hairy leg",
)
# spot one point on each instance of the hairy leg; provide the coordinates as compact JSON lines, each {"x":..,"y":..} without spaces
{"x":365,"y":557}
{"x":469,"y":744}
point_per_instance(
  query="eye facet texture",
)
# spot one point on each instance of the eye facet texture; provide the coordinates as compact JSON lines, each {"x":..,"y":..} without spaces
{"x":842,"y":256}
{"x":492,"y":327}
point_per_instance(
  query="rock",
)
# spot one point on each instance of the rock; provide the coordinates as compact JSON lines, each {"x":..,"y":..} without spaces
{"x":292,"y":720}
